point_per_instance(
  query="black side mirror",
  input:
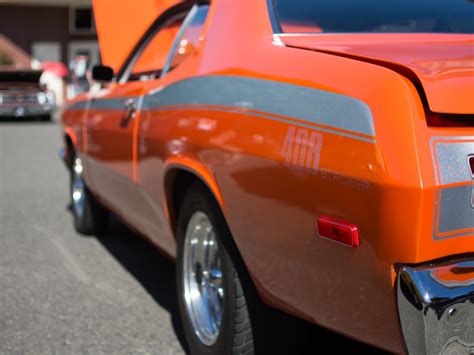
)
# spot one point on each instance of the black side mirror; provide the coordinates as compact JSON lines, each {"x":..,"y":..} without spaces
{"x":102,"y":73}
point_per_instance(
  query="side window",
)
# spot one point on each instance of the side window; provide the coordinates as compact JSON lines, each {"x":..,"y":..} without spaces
{"x":152,"y":59}
{"x":190,"y":40}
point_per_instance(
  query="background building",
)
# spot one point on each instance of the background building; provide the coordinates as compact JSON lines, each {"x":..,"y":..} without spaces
{"x":50,"y":30}
{"x":12,"y":55}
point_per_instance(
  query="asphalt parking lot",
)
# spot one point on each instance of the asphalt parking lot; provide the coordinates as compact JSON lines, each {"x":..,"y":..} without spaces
{"x":61,"y":293}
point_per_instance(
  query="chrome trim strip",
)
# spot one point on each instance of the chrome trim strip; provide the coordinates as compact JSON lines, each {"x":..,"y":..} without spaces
{"x":272,"y":13}
{"x":319,"y":34}
{"x":187,"y":21}
{"x":436,"y":307}
{"x":277,"y":41}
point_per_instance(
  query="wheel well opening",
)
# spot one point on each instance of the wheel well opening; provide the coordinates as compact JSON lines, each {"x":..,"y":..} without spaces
{"x":177,"y":184}
{"x":69,"y":149}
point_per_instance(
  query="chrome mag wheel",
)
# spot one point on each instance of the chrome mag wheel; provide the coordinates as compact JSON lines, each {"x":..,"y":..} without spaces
{"x":78,"y":188}
{"x":203,"y":279}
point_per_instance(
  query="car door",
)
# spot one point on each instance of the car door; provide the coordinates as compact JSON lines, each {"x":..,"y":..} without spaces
{"x":155,"y":125}
{"x":109,"y":141}
{"x":113,"y":119}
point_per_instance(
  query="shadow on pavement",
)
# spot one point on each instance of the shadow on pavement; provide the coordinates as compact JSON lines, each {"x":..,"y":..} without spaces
{"x":156,"y":273}
{"x":27,"y":120}
{"x":152,"y":269}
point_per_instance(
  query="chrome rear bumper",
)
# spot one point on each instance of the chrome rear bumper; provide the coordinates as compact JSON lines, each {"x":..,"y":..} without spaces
{"x":436,"y":307}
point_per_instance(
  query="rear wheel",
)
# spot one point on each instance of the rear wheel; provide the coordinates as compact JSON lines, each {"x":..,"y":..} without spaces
{"x":211,"y":280}
{"x":90,"y":218}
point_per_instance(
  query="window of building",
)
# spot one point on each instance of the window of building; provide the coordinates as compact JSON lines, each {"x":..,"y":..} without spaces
{"x":5,"y":59}
{"x":82,"y":20}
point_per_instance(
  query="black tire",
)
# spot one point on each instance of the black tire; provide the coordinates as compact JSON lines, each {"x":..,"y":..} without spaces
{"x":236,"y":334}
{"x":94,"y":218}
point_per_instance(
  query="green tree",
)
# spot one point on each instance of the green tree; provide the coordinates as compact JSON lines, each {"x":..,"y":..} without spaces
{"x":5,"y":59}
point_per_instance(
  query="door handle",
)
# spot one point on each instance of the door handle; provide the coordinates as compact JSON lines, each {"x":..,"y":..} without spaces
{"x":129,"y":112}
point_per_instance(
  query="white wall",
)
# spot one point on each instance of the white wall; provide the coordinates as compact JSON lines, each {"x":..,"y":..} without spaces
{"x":46,"y":51}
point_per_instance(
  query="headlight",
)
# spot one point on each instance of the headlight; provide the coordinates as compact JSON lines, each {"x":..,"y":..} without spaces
{"x":42,"y":98}
{"x":51,"y":97}
{"x":1,"y":99}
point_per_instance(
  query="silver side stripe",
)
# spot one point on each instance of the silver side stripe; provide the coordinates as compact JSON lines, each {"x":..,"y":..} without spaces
{"x":454,"y":212}
{"x":267,"y":97}
{"x":102,"y":104}
{"x":79,"y":105}
{"x":272,"y":97}
{"x":267,"y":116}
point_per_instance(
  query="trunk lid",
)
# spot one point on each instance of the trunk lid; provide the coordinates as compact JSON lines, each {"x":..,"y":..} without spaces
{"x":443,"y":63}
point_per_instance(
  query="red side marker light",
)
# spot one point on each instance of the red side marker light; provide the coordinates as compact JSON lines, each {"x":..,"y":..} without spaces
{"x":339,"y":231}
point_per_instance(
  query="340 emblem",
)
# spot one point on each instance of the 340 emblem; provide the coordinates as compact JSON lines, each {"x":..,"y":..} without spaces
{"x":302,"y":148}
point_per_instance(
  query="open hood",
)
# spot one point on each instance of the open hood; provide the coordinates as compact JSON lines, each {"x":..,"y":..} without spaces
{"x":121,"y":23}
{"x":444,"y":64}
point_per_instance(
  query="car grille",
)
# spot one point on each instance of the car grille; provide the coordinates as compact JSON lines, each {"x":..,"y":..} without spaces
{"x":20,"y":99}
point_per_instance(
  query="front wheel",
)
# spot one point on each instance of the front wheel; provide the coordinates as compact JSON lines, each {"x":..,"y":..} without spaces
{"x":210,"y":280}
{"x":90,"y":218}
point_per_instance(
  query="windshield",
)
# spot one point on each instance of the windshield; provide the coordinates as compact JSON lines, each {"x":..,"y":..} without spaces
{"x":375,"y":16}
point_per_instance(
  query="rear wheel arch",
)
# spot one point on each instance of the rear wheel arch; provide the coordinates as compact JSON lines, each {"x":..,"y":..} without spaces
{"x":178,"y":179}
{"x":70,"y":143}
{"x":261,"y":313}
{"x":217,"y":318}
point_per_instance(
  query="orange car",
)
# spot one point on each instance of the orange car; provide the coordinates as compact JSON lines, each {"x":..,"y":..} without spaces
{"x":318,"y":152}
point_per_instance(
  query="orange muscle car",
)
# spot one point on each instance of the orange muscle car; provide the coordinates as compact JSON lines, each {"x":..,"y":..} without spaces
{"x":314,"y":155}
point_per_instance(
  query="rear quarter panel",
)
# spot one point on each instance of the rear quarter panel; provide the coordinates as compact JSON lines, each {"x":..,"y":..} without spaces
{"x":271,"y":194}
{"x":274,"y":173}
